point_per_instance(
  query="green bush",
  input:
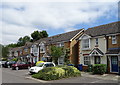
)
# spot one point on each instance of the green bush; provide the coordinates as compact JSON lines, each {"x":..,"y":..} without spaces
{"x":54,"y":73}
{"x":99,"y":68}
{"x":51,"y":73}
{"x":71,"y":71}
{"x":15,"y":59}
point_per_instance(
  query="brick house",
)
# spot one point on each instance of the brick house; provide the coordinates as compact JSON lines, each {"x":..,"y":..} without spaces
{"x":66,"y":40}
{"x":94,"y":44}
{"x":113,"y":48}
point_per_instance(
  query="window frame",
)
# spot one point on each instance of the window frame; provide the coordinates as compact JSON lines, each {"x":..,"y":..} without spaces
{"x":83,"y":44}
{"x":114,"y":39}
{"x":87,"y":60}
{"x":96,"y":41}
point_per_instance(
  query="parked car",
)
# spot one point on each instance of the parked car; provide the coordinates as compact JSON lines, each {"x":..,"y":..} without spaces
{"x":21,"y":65}
{"x":40,"y":66}
{"x":3,"y":63}
{"x":10,"y":63}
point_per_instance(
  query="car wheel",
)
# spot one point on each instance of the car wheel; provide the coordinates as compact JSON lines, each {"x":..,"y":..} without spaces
{"x":17,"y":68}
{"x":28,"y":67}
{"x":8,"y":66}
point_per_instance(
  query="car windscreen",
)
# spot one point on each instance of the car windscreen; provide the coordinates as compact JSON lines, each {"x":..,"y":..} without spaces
{"x":40,"y":65}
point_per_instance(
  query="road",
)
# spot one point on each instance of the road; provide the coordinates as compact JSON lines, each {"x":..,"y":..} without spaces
{"x":22,"y":76}
{"x":13,"y":76}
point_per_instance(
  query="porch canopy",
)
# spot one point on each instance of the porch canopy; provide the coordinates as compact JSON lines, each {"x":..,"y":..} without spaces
{"x":46,"y":55}
{"x":96,"y":52}
{"x":113,"y":51}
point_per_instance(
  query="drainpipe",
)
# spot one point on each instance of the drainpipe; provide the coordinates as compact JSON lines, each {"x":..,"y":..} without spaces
{"x":39,"y":52}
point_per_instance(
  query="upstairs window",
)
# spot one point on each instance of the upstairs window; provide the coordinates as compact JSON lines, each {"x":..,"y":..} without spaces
{"x":42,"y":47}
{"x":60,"y":44}
{"x":114,"y":40}
{"x":96,"y":41}
{"x":86,"y":44}
{"x":26,"y":50}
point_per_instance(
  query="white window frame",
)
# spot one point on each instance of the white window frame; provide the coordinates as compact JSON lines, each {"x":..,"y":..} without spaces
{"x":83,"y":44}
{"x":42,"y":47}
{"x":114,"y":39}
{"x":96,"y":41}
{"x":86,"y":60}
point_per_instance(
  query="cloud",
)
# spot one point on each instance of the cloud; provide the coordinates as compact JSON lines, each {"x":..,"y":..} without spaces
{"x":20,"y":19}
{"x":11,"y":33}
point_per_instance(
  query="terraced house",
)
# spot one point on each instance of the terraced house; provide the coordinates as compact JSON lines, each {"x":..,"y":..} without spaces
{"x":42,"y":48}
{"x":100,"y":45}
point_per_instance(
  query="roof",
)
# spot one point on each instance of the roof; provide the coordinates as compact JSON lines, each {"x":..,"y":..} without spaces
{"x":65,"y":37}
{"x":98,"y":50}
{"x":113,"y":51}
{"x":105,"y":29}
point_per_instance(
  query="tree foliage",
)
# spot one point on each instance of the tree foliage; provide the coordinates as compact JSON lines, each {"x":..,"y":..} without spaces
{"x":22,"y":41}
{"x":36,"y":35}
{"x":5,"y":51}
{"x":56,"y":52}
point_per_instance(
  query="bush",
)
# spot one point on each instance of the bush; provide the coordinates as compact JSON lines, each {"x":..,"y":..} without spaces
{"x":99,"y":68}
{"x":51,"y":73}
{"x":15,"y":59}
{"x":71,"y":71}
{"x":54,"y":73}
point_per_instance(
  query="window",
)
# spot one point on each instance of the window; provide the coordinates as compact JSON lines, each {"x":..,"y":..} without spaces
{"x":86,"y":60}
{"x":42,"y":48}
{"x":96,"y":41}
{"x":60,"y":44}
{"x":26,"y":50}
{"x":85,"y":43}
{"x":114,"y":41}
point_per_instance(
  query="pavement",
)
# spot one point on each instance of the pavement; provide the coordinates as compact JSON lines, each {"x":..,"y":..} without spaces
{"x":22,"y":76}
{"x":104,"y":76}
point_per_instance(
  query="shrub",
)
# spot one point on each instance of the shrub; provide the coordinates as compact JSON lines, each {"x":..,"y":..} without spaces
{"x":15,"y":59}
{"x":71,"y":71}
{"x":53,"y":73}
{"x":99,"y":68}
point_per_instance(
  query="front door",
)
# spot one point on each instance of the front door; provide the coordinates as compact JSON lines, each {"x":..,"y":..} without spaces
{"x":97,"y":60}
{"x":114,"y":63}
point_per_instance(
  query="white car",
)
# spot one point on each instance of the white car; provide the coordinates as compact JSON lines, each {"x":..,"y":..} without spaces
{"x":40,"y":66}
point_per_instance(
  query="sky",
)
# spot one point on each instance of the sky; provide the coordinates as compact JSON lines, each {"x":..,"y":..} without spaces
{"x":21,"y":18}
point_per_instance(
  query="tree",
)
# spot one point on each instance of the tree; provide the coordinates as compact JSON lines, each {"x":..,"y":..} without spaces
{"x":5,"y":51}
{"x":26,"y":39}
{"x":56,"y":52}
{"x":12,"y":45}
{"x":22,"y":41}
{"x":43,"y":34}
{"x":36,"y":35}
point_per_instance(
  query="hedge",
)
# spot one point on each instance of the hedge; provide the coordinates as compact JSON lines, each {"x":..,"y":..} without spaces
{"x":99,"y":68}
{"x":54,"y":73}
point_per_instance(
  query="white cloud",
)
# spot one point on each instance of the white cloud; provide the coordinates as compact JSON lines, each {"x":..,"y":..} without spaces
{"x":11,"y":33}
{"x":22,"y":18}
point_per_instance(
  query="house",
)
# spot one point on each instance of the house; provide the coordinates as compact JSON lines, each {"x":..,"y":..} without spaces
{"x":24,"y":52}
{"x":67,"y":40}
{"x":113,"y":48}
{"x":94,"y":44}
